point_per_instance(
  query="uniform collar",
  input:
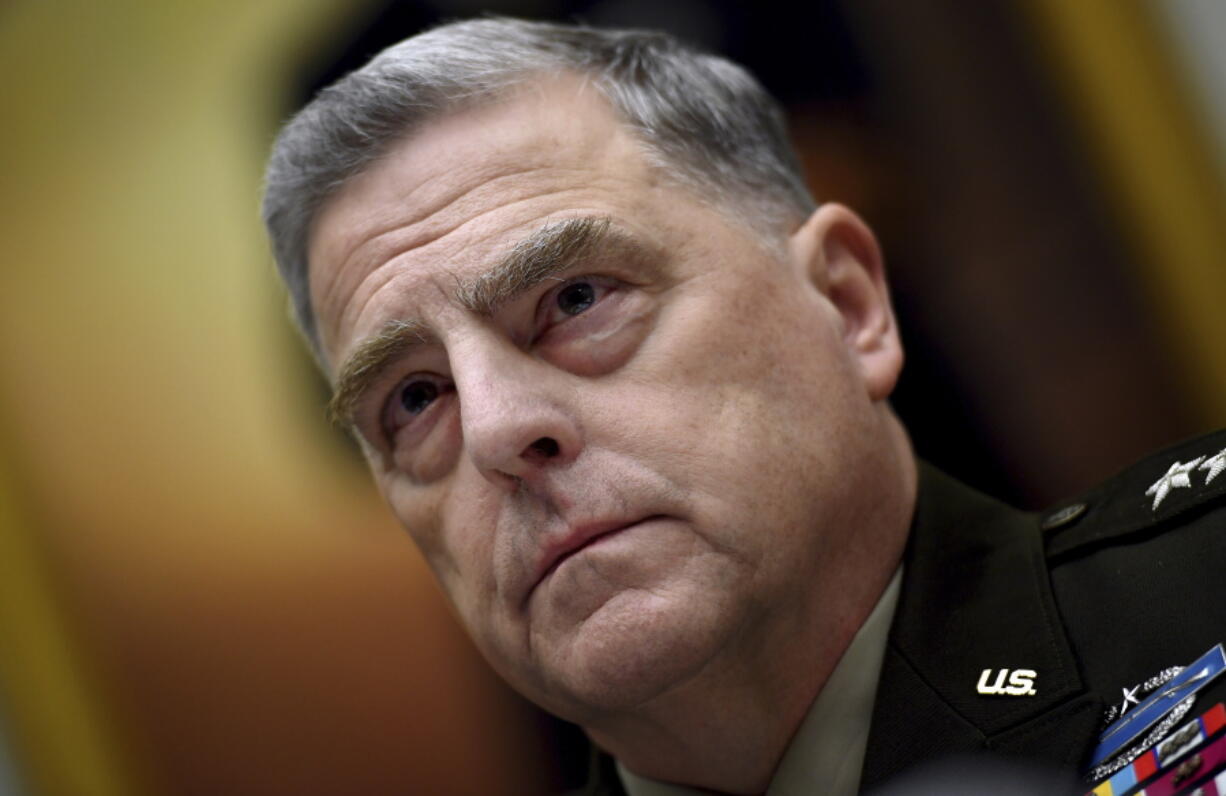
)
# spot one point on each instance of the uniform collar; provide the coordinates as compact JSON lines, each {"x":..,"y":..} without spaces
{"x":976,"y":597}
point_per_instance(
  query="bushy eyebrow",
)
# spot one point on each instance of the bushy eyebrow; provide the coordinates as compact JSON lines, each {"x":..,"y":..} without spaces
{"x":543,"y":254}
{"x":547,"y":252}
{"x":368,"y":362}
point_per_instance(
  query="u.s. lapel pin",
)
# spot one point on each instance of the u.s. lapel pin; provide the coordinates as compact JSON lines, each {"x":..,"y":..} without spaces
{"x":1008,"y":682}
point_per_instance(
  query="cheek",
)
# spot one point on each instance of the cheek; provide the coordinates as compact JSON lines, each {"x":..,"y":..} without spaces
{"x":453,"y":523}
{"x":745,"y":340}
{"x":421,"y":510}
{"x":434,"y":454}
{"x":748,"y":404}
{"x":469,"y":527}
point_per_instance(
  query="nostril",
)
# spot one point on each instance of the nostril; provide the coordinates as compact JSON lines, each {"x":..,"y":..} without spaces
{"x":546,"y":447}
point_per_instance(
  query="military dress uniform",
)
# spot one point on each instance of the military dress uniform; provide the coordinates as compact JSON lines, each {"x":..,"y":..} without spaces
{"x":1084,"y":640}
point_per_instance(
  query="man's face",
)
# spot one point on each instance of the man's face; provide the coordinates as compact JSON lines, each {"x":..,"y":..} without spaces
{"x":633,"y":454}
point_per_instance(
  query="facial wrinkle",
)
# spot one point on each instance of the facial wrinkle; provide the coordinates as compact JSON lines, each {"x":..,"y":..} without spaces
{"x":365,"y":365}
{"x":548,"y":251}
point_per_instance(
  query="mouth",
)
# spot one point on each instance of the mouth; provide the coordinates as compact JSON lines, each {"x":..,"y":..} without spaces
{"x":577,"y":539}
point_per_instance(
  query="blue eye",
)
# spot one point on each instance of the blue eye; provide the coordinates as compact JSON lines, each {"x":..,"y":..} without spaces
{"x":576,"y":298}
{"x":412,"y":403}
{"x":417,"y":395}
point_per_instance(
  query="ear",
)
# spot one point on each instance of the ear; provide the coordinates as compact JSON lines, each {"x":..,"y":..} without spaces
{"x":842,"y":259}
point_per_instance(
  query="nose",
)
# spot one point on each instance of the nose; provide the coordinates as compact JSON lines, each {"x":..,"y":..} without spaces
{"x":515,"y":416}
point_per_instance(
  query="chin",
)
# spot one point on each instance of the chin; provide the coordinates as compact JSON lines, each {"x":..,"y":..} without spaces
{"x":637,"y":647}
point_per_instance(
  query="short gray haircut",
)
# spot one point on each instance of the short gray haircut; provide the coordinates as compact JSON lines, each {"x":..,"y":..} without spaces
{"x":703,"y":120}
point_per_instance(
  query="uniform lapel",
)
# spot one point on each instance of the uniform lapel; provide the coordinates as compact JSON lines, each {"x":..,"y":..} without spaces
{"x":976,"y":597}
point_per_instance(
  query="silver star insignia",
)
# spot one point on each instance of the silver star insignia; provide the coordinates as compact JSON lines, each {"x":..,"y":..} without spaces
{"x":1130,"y":698}
{"x":1214,"y":464}
{"x":1174,"y":478}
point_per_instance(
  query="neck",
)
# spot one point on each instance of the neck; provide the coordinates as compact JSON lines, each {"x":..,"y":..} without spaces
{"x":730,"y":744}
{"x":727,"y":728}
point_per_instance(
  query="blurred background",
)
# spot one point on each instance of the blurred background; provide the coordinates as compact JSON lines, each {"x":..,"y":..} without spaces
{"x":200,"y":592}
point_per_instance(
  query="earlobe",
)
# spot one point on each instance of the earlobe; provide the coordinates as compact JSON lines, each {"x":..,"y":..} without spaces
{"x":845,"y":264}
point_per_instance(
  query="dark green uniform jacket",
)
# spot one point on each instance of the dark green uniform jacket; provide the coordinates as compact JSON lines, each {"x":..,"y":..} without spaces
{"x":1093,"y":598}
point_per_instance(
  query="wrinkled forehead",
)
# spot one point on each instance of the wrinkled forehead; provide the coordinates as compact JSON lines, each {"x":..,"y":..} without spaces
{"x":465,"y":180}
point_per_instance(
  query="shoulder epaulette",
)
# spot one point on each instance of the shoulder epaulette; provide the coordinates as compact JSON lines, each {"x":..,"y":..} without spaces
{"x":1150,"y":495}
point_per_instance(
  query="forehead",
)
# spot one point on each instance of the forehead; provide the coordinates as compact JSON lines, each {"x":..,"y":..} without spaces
{"x":460,"y":191}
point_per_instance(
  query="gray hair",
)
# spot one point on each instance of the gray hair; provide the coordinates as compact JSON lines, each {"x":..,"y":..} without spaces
{"x":703,"y":120}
